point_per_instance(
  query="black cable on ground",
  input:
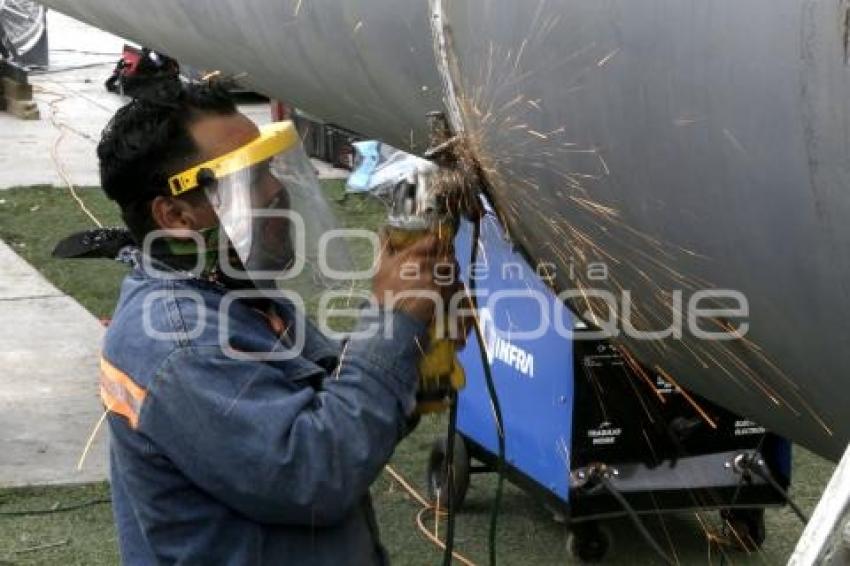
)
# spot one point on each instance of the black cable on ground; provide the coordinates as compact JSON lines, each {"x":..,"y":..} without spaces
{"x":724,"y":529}
{"x":757,"y":465}
{"x":494,"y":400}
{"x":74,"y":507}
{"x":615,"y":493}
{"x":450,"y":481}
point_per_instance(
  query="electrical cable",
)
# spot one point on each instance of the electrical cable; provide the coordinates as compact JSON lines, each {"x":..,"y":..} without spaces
{"x":55,"y":70}
{"x":494,"y":398}
{"x":756,"y":464}
{"x":64,"y":509}
{"x":407,"y":487}
{"x":60,"y":169}
{"x":726,"y":527}
{"x":635,"y":518}
{"x":116,"y":54}
{"x":425,"y":507}
{"x":450,"y":481}
{"x":61,"y":127}
{"x":420,"y":523}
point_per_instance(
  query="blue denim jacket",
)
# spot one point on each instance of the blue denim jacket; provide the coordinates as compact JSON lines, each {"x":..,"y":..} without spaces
{"x":218,"y":460}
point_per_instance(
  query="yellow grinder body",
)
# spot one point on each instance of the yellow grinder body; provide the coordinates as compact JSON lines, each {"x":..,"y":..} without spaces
{"x":440,"y":372}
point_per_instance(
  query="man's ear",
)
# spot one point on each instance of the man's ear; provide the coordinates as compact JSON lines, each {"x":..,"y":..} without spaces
{"x":172,"y":214}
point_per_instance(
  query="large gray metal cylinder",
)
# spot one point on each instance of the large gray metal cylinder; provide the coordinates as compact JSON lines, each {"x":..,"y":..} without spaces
{"x":688,"y":145}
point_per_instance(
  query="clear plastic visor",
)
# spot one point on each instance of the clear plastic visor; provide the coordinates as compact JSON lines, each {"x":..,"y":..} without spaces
{"x":274,"y":215}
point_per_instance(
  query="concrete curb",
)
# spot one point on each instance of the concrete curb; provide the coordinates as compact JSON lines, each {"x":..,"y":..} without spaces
{"x":49,"y":403}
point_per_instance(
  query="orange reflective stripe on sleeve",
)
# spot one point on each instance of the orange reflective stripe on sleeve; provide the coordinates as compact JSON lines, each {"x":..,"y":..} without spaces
{"x":120,"y":394}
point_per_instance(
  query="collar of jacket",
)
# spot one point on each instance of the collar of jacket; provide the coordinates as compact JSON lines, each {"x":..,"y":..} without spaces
{"x":180,"y":254}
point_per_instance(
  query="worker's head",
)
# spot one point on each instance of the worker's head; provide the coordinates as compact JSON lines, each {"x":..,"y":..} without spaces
{"x":152,"y":138}
{"x":190,"y":161}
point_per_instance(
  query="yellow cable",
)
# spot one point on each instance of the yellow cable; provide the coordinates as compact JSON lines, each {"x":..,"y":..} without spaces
{"x":436,"y":540}
{"x":91,"y":439}
{"x":425,"y":508}
{"x":54,"y":155}
{"x":407,"y":487}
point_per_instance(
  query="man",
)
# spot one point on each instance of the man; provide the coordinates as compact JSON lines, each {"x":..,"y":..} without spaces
{"x":229,"y":445}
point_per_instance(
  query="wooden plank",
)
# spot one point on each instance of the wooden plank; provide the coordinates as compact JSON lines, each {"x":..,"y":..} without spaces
{"x":23,"y":109}
{"x":17,"y":90}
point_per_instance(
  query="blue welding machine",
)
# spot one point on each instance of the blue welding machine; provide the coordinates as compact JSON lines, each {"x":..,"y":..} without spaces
{"x":570,"y":405}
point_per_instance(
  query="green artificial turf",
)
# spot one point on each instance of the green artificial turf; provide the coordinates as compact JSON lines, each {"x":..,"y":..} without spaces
{"x":32,"y":219}
{"x":75,"y":538}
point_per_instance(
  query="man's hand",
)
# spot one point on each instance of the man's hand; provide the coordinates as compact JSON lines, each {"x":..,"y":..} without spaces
{"x":409,"y":279}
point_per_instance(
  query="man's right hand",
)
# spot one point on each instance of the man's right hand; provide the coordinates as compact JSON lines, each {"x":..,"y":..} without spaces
{"x":405,"y":279}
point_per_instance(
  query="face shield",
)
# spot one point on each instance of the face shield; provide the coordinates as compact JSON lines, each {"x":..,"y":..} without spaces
{"x":270,"y":206}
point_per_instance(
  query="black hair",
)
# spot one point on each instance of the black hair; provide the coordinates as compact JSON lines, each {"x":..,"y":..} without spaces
{"x":148,"y":140}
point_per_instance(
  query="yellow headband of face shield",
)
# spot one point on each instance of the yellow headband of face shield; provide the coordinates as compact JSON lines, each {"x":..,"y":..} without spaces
{"x":274,"y":138}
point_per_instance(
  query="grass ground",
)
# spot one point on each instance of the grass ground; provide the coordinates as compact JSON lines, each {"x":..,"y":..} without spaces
{"x":32,"y":219}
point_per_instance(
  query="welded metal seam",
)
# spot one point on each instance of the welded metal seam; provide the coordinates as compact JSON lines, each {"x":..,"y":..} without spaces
{"x":446,"y":62}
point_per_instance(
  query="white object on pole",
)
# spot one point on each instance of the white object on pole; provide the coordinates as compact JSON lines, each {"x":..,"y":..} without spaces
{"x":826,"y":539}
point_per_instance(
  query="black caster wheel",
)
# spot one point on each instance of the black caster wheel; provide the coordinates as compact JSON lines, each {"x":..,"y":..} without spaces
{"x":588,"y":542}
{"x":437,"y":473}
{"x":745,"y":527}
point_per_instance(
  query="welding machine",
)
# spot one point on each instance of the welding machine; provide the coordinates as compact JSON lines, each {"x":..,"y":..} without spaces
{"x":586,"y":429}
